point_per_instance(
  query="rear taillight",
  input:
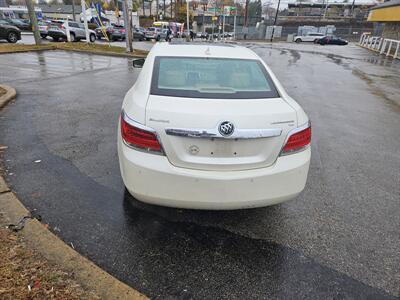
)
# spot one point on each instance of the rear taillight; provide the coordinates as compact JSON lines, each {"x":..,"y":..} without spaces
{"x":298,"y":140}
{"x":138,"y":136}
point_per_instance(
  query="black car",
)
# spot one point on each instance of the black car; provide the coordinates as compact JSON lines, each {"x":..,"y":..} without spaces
{"x":8,"y":32}
{"x":20,"y":24}
{"x":138,"y":34}
{"x":332,"y":40}
{"x":113,"y":32}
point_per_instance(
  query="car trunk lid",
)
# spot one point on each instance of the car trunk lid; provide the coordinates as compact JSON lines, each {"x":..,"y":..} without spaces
{"x":260,"y":129}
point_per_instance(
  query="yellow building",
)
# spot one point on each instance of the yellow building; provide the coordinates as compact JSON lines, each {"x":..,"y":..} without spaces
{"x":387,"y":13}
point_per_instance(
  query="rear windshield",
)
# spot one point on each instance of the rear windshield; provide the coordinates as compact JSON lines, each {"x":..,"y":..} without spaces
{"x":220,"y":78}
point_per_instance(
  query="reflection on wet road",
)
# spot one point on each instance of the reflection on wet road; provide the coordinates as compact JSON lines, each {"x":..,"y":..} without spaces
{"x":338,"y":239}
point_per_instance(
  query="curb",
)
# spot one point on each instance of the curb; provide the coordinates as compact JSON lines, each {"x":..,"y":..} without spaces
{"x":60,"y":47}
{"x":89,"y":275}
{"x":7,"y":97}
{"x":102,"y":53}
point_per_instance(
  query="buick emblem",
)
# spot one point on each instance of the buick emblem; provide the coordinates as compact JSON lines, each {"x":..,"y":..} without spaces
{"x":226,"y":128}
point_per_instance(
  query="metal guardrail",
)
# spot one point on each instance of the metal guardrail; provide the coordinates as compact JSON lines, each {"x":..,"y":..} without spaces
{"x":381,"y":45}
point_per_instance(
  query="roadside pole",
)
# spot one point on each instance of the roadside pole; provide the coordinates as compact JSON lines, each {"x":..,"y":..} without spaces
{"x":128,"y":26}
{"x":67,"y":30}
{"x":33,"y":19}
{"x":187,"y":17}
{"x":223,"y":22}
{"x":276,"y":18}
{"x":234,"y":23}
{"x":73,"y":10}
{"x":83,"y":5}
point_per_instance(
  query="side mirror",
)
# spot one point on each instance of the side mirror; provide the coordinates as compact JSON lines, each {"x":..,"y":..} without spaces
{"x":138,"y":63}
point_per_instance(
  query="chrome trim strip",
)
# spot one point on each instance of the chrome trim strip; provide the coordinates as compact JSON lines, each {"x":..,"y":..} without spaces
{"x":132,"y":122}
{"x":214,"y":133}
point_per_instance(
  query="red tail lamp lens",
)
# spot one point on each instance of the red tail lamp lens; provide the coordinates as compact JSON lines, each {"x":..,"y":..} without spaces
{"x":139,"y":138}
{"x":297,"y":141}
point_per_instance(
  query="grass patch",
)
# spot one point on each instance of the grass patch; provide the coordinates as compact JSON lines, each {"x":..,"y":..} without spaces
{"x":10,"y":48}
{"x":98,"y":48}
{"x":79,"y":46}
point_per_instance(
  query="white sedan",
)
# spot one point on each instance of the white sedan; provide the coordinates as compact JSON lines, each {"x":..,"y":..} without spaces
{"x":209,"y":126}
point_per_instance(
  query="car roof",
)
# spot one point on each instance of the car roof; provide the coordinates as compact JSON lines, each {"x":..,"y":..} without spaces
{"x":220,"y":50}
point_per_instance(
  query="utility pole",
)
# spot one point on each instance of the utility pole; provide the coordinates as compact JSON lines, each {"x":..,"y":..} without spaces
{"x":326,"y":8}
{"x":73,"y":10}
{"x":187,"y":17}
{"x":33,"y":19}
{"x":164,"y":10}
{"x":352,"y":8}
{"x":275,"y":20}
{"x":128,"y":24}
{"x":223,"y":22}
{"x":85,"y":20}
{"x":246,"y":13}
{"x":234,"y":22}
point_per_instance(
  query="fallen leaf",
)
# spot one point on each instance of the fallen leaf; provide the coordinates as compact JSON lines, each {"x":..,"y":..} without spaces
{"x":12,"y":237}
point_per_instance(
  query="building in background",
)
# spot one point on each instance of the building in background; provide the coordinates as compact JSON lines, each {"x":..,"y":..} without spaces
{"x":59,"y":11}
{"x":335,"y":10}
{"x":387,"y":15}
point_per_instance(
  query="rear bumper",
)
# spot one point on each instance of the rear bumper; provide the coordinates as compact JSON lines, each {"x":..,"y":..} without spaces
{"x":153,"y":179}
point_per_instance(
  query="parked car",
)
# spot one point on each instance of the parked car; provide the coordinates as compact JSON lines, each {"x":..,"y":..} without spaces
{"x":208,"y":126}
{"x":8,"y":32}
{"x":163,"y":34}
{"x":121,"y":30}
{"x":43,"y":29}
{"x":152,"y":33}
{"x":20,"y":24}
{"x":332,"y":40}
{"x":138,"y":34}
{"x":113,"y":32}
{"x":309,"y":37}
{"x":76,"y":30}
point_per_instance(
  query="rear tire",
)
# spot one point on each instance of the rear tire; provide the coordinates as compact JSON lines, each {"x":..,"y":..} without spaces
{"x":43,"y":36}
{"x":298,"y":41}
{"x":92,"y":38}
{"x":56,"y":39}
{"x":12,"y":37}
{"x":72,"y":36}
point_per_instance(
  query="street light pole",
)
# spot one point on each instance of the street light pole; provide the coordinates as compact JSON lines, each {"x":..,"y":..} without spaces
{"x":33,"y":19}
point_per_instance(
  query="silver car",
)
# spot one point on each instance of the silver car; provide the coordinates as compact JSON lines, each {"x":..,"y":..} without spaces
{"x":76,"y":31}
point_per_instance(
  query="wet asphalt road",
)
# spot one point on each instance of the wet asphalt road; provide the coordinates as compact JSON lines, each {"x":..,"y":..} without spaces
{"x":339,"y":239}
